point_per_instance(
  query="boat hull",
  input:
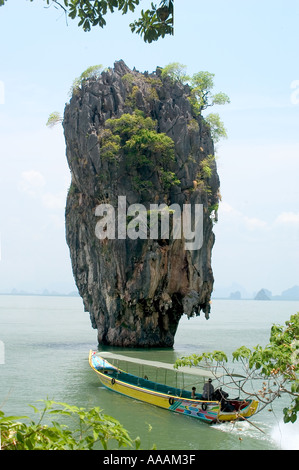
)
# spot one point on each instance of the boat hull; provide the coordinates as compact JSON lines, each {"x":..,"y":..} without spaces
{"x":207,"y":411}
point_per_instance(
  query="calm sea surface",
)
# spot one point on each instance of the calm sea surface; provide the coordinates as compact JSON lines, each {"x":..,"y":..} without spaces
{"x":47,"y":340}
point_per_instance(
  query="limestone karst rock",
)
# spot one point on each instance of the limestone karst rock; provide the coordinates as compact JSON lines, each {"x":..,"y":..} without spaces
{"x":263,"y":294}
{"x":137,"y":290}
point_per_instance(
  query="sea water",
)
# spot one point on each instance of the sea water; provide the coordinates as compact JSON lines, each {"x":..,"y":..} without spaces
{"x":46,"y":340}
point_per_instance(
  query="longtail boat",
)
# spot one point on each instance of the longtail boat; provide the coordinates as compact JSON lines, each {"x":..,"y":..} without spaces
{"x":170,"y":397}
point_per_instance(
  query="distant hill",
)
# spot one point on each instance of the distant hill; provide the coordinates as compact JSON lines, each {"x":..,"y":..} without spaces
{"x":289,"y":294}
{"x":45,"y":292}
{"x":263,"y":294}
{"x":235,"y":295}
{"x":238,"y":292}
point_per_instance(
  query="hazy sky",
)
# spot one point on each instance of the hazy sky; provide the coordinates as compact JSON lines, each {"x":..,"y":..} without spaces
{"x":251,"y":46}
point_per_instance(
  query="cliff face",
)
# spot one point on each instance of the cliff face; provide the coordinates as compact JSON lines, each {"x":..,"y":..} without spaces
{"x":137,"y":290}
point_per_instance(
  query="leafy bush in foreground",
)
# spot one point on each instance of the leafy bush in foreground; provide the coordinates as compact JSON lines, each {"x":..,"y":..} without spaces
{"x":88,"y":430}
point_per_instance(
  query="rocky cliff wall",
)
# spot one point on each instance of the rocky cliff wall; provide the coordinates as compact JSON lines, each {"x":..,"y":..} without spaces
{"x":137,"y":290}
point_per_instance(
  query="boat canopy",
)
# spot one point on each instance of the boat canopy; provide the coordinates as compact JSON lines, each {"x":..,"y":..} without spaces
{"x":162,"y":365}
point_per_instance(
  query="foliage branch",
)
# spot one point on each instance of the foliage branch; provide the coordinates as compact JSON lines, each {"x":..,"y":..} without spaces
{"x":274,"y":368}
{"x":201,"y":97}
{"x":155,"y":22}
{"x":137,"y":138}
{"x":88,"y":430}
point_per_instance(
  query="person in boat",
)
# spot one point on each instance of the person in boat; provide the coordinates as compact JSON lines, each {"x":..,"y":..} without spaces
{"x":193,"y":393}
{"x":208,"y":390}
{"x":225,"y":405}
{"x":220,"y":395}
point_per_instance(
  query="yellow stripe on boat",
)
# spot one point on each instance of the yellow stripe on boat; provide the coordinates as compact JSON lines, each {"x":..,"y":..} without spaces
{"x":208,"y":411}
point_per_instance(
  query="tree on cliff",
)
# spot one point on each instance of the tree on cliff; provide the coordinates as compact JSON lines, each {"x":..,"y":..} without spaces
{"x":201,"y":96}
{"x":273,"y":368}
{"x":155,"y":22}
